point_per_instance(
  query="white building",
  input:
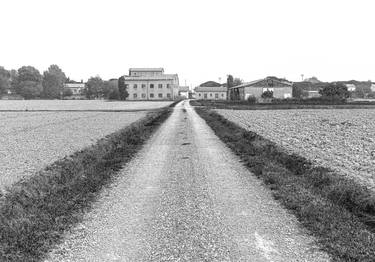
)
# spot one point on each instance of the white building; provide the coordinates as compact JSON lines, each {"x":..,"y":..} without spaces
{"x":151,"y":84}
{"x":351,"y":87}
{"x":76,"y":88}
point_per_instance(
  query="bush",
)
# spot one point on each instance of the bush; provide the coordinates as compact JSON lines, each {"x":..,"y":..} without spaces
{"x":335,"y":91}
{"x":267,"y":94}
{"x":251,"y":100}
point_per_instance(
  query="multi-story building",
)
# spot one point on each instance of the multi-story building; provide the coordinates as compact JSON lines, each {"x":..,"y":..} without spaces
{"x":151,"y":84}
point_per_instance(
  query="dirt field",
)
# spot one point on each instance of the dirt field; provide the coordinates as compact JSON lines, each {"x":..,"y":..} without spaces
{"x":31,"y":140}
{"x":340,"y":139}
{"x":79,"y":105}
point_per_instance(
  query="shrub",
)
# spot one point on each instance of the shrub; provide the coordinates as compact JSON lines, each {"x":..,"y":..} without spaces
{"x":251,"y":100}
{"x":267,"y":94}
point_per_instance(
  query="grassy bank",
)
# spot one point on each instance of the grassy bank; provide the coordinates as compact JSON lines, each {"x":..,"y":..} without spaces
{"x":244,"y":105}
{"x":338,"y":211}
{"x":35,"y":212}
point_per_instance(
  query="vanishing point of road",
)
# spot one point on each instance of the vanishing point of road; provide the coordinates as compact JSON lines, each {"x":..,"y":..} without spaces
{"x":187,"y":197}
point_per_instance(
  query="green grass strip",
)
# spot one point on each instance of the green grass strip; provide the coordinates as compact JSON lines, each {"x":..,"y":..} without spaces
{"x":35,"y":212}
{"x":339,"y":212}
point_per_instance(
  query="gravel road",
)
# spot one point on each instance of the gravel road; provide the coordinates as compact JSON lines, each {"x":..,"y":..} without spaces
{"x":186,"y":197}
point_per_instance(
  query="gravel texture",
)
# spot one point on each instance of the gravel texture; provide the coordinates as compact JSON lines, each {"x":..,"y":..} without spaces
{"x":29,"y":141}
{"x":80,"y":105}
{"x":186,"y":197}
{"x":341,"y":139}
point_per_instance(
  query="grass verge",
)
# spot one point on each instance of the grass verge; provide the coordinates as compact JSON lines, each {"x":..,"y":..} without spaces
{"x":339,"y":212}
{"x":244,"y":105}
{"x":35,"y":212}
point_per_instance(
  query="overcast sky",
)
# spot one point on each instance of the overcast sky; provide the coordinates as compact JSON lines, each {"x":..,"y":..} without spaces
{"x":198,"y":39}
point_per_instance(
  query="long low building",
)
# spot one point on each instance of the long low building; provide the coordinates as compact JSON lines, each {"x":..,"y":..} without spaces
{"x":151,"y":84}
{"x":211,"y":90}
{"x":281,"y":89}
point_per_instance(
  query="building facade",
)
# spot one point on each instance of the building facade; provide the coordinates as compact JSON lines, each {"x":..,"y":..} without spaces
{"x":211,"y":93}
{"x":76,"y":88}
{"x":281,"y":89}
{"x":151,"y":84}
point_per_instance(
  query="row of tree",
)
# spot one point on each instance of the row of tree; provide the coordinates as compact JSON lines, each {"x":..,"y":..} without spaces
{"x":29,"y":83}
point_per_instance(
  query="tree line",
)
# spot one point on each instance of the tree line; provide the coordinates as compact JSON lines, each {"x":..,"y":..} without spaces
{"x":29,"y":83}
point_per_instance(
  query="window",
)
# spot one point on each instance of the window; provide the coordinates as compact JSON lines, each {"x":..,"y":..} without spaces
{"x":160,"y":95}
{"x":135,"y":86}
{"x":168,"y":86}
{"x":160,"y":85}
{"x":216,"y":95}
{"x":134,"y":95}
{"x":222,"y":95}
{"x":143,"y":85}
{"x":200,"y":94}
{"x":151,"y":85}
{"x":168,"y":95}
{"x":151,"y":95}
{"x":210,"y":94}
{"x":143,"y":95}
{"x":205,"y":96}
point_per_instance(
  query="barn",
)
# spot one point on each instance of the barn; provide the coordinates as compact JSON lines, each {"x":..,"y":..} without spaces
{"x":281,"y":89}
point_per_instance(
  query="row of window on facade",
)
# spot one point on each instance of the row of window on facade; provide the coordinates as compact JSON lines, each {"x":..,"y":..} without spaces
{"x":160,"y":95}
{"x":135,"y":86}
{"x":216,"y":95}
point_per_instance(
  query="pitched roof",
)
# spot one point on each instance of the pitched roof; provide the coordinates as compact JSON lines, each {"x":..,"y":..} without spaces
{"x":210,"y":84}
{"x":210,"y":89}
{"x":253,"y":83}
{"x":139,"y":69}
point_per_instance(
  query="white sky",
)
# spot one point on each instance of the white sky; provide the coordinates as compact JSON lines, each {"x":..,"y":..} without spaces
{"x":198,"y":39}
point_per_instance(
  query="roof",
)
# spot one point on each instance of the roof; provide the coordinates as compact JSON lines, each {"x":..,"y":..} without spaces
{"x":149,"y":78}
{"x":253,"y":83}
{"x":210,"y":89}
{"x":210,"y":84}
{"x":74,"y":85}
{"x":158,"y":69}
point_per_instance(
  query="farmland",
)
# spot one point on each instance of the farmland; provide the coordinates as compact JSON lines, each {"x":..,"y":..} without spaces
{"x":32,"y":140}
{"x":343,"y":140}
{"x":79,"y":105}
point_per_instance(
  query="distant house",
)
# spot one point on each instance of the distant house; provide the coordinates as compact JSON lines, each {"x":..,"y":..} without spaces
{"x":183,"y":91}
{"x":351,"y":87}
{"x":211,"y":91}
{"x":281,"y":89}
{"x":151,"y":84}
{"x":76,"y":88}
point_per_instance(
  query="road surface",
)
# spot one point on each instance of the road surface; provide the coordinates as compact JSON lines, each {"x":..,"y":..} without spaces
{"x":186,"y":197}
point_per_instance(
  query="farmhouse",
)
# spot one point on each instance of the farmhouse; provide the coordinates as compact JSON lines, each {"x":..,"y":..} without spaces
{"x":281,"y":89}
{"x":76,"y":88}
{"x":183,"y":91}
{"x":211,"y":91}
{"x":151,"y":84}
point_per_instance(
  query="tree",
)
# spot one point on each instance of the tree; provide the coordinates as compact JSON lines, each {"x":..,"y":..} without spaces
{"x":28,"y":82}
{"x":230,"y":81}
{"x":122,"y":88}
{"x":4,"y":80}
{"x":335,"y":91}
{"x":94,"y":87}
{"x":53,"y":82}
{"x":110,"y":90}
{"x":237,"y":81}
{"x":267,"y":94}
{"x":67,"y":92}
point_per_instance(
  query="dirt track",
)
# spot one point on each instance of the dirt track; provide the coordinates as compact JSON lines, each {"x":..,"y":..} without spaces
{"x":186,"y":197}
